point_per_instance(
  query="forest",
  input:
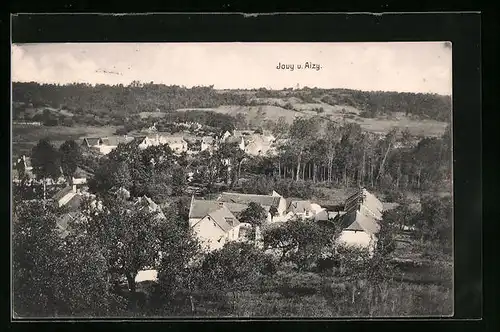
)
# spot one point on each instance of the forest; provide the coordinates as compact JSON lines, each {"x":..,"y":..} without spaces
{"x":117,"y":103}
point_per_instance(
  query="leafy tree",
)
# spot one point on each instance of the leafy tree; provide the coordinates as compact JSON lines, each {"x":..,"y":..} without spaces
{"x":234,"y":267}
{"x":128,"y":234}
{"x":177,"y":270}
{"x":45,"y":162}
{"x":70,"y":158}
{"x":53,"y":276}
{"x":299,"y":242}
{"x":254,"y":214}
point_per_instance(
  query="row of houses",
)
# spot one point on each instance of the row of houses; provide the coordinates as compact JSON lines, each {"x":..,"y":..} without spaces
{"x":252,"y":143}
{"x":215,"y":222}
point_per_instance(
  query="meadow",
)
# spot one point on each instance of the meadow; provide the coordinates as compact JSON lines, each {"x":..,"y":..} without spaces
{"x":24,"y":138}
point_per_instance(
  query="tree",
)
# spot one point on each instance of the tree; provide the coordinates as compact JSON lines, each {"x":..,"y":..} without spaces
{"x":34,"y":242}
{"x":234,"y":267}
{"x":177,"y":270}
{"x":254,"y":214}
{"x":53,"y":276}
{"x":45,"y":162}
{"x":70,"y":158}
{"x":300,"y":242}
{"x":128,"y":234}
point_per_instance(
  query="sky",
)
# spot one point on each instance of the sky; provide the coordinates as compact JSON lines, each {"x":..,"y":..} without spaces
{"x":404,"y":67}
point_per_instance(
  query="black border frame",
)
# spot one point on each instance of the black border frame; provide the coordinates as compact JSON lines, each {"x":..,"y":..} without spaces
{"x":462,"y":29}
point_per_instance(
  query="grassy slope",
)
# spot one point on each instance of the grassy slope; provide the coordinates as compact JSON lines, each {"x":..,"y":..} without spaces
{"x":255,"y":115}
{"x":24,"y":138}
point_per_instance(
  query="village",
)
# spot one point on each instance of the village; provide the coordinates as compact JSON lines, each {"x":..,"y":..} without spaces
{"x":165,"y":193}
{"x":216,"y":221}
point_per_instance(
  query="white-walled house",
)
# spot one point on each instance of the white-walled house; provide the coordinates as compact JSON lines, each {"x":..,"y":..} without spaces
{"x":207,"y":143}
{"x":213,"y":223}
{"x":176,"y":143}
{"x":361,"y":220}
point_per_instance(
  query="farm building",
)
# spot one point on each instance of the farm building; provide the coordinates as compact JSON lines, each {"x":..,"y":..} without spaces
{"x":360,"y":222}
{"x":213,"y":223}
{"x":274,"y":200}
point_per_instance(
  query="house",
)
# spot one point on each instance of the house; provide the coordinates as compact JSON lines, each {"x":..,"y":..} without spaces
{"x":225,"y":135}
{"x":274,"y":200}
{"x":213,"y":223}
{"x":91,"y":142}
{"x":108,"y":144}
{"x":360,"y":222}
{"x":302,"y":209}
{"x":236,"y":140}
{"x":145,"y":202}
{"x":257,"y":145}
{"x":65,"y":195}
{"x":176,"y":143}
{"x":207,"y":143}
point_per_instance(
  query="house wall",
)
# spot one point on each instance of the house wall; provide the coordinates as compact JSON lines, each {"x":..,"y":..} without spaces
{"x":282,"y":206}
{"x":209,"y":233}
{"x":357,"y":238}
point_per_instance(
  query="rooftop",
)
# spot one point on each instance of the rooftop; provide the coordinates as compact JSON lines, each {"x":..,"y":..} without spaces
{"x":264,"y":200}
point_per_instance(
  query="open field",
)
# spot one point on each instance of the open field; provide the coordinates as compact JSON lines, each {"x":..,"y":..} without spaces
{"x":256,"y":115}
{"x":24,"y":138}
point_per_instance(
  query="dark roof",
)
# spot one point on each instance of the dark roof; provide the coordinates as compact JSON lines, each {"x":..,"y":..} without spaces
{"x":224,"y":218}
{"x":75,"y":202}
{"x":359,"y":221}
{"x":201,"y":208}
{"x":264,"y":200}
{"x":115,"y":140}
{"x":61,"y":193}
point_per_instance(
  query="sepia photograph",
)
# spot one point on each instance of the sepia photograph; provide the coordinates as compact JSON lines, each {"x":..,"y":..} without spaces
{"x":232,"y":180}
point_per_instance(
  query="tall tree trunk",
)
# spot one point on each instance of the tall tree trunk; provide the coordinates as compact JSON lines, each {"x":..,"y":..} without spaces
{"x":381,"y":170}
{"x":299,"y":159}
{"x":131,"y":282}
{"x":303,"y":171}
{"x":279,"y":169}
{"x":363,"y":166}
{"x":44,"y":190}
{"x":314,"y":172}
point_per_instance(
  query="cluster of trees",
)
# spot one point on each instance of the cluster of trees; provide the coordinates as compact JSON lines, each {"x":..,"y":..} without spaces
{"x":50,"y":163}
{"x":134,"y":98}
{"x":347,"y":156}
{"x":155,"y":172}
{"x":432,"y":223}
{"x":92,"y":270}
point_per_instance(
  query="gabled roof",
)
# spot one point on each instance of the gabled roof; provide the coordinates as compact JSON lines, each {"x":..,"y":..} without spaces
{"x":359,"y":221}
{"x":224,"y":218}
{"x":201,"y":208}
{"x":299,"y":206}
{"x":363,"y":200}
{"x":264,"y":200}
{"x":61,"y":193}
{"x":91,"y":141}
{"x":115,"y":140}
{"x":208,"y":140}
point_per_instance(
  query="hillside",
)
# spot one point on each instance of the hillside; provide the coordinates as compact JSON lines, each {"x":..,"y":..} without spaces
{"x":102,"y":105}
